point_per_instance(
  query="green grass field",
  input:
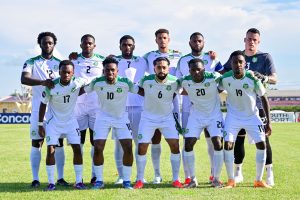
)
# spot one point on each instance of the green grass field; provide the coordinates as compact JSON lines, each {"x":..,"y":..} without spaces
{"x":15,"y":176}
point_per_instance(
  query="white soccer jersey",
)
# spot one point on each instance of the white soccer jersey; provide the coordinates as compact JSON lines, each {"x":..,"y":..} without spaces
{"x":88,"y":68}
{"x":134,"y":69}
{"x":209,"y":64}
{"x":183,"y":70}
{"x":172,"y":55}
{"x":204,"y":95}
{"x":241,"y":94}
{"x":42,"y":69}
{"x":158,"y":97}
{"x":62,"y":100}
{"x":112,"y":97}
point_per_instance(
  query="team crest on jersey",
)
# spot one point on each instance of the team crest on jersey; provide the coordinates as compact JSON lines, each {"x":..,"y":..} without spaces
{"x":169,"y":87}
{"x":33,"y":133}
{"x":245,"y":86}
{"x":119,"y":90}
{"x":95,"y":63}
{"x":224,"y":133}
{"x":150,"y":85}
{"x":171,"y":56}
{"x":189,"y":85}
{"x":140,"y":136}
{"x":207,"y":84}
{"x":55,"y":67}
{"x":73,"y":89}
{"x":254,"y":59}
{"x":43,"y":94}
{"x":101,"y":88}
{"x":229,"y":84}
{"x":205,"y":62}
{"x":48,"y":138}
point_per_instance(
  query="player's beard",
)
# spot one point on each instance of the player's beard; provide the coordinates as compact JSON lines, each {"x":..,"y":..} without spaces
{"x":162,"y":77}
{"x":197,"y":51}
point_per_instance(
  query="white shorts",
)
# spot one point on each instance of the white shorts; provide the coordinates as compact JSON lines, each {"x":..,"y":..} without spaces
{"x":54,"y":131}
{"x":85,"y":115}
{"x":34,"y":128}
{"x":134,"y":115}
{"x":196,"y":125}
{"x":120,"y":128}
{"x":148,"y":127}
{"x":253,"y":126}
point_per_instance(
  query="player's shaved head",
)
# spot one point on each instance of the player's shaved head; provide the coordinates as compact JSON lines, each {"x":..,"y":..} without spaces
{"x":126,"y":37}
{"x":87,"y":36}
{"x":196,"y":34}
{"x":195,"y":62}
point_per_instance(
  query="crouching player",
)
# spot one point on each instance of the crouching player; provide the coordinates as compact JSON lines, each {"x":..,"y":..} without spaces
{"x":242,"y":113}
{"x":112,"y":92}
{"x":61,"y":120}
{"x":201,"y":87}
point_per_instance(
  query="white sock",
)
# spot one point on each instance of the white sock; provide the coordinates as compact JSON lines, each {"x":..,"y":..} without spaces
{"x":119,"y":157}
{"x":99,"y":172}
{"x":127,"y":173}
{"x":260,"y":163}
{"x":155,"y":155}
{"x":190,"y":160}
{"x":218,"y":162}
{"x":238,"y":169}
{"x":50,"y":172}
{"x":78,"y":173}
{"x":185,"y":164}
{"x":60,"y":161}
{"x":175,"y":162}
{"x":35,"y":160}
{"x":269,"y":170}
{"x":229,"y":159}
{"x":92,"y":156}
{"x":210,"y":151}
{"x":142,"y":160}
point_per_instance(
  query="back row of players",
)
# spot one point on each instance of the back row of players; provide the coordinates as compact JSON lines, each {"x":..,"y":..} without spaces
{"x":151,"y":115}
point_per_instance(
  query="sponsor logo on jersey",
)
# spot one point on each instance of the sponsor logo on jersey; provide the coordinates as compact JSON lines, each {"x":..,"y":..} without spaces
{"x":245,"y":86}
{"x":95,"y":63}
{"x":150,"y":85}
{"x":169,"y":87}
{"x":33,"y":133}
{"x":119,"y":90}
{"x":229,"y":84}
{"x":44,"y":94}
{"x":171,"y":56}
{"x":101,"y":88}
{"x":73,"y":89}
{"x":205,"y":62}
{"x":207,"y":84}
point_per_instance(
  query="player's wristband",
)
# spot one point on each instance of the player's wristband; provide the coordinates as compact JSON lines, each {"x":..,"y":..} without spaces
{"x":266,"y":79}
{"x":40,"y":123}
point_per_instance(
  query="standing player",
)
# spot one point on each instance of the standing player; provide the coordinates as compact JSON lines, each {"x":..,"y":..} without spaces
{"x":38,"y":72}
{"x":263,"y":67}
{"x":162,"y":39}
{"x":201,"y":87}
{"x":242,"y":113}
{"x":134,"y":68}
{"x":60,"y":121}
{"x":88,"y":65}
{"x":159,"y":90}
{"x":211,"y":64}
{"x":112,"y":92}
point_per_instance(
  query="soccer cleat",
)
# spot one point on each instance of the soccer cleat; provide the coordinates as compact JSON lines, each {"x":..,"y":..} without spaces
{"x":157,"y":180}
{"x":127,"y":185}
{"x":50,"y":187}
{"x":210,"y":179}
{"x":138,"y":185}
{"x":35,"y":184}
{"x":261,"y":184}
{"x":217,"y":184}
{"x":230,"y":184}
{"x":80,"y":186}
{"x":62,"y":182}
{"x":270,"y":181}
{"x":239,"y":178}
{"x":193,"y":183}
{"x":187,"y":181}
{"x":93,"y":180}
{"x":98,"y":185}
{"x":177,"y":184}
{"x":119,"y":181}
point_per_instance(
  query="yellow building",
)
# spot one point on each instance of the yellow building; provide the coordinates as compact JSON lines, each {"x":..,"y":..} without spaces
{"x":15,"y":104}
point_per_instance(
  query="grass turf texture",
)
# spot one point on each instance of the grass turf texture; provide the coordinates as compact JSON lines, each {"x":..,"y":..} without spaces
{"x":15,"y":176}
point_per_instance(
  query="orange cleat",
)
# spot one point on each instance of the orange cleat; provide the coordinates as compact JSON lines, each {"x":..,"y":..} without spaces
{"x":230,"y":184}
{"x":261,"y":184}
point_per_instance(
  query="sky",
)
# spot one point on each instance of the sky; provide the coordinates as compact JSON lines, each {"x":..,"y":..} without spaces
{"x":223,"y":24}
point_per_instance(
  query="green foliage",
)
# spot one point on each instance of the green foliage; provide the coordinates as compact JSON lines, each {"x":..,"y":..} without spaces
{"x":16,"y":174}
{"x":287,"y":108}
